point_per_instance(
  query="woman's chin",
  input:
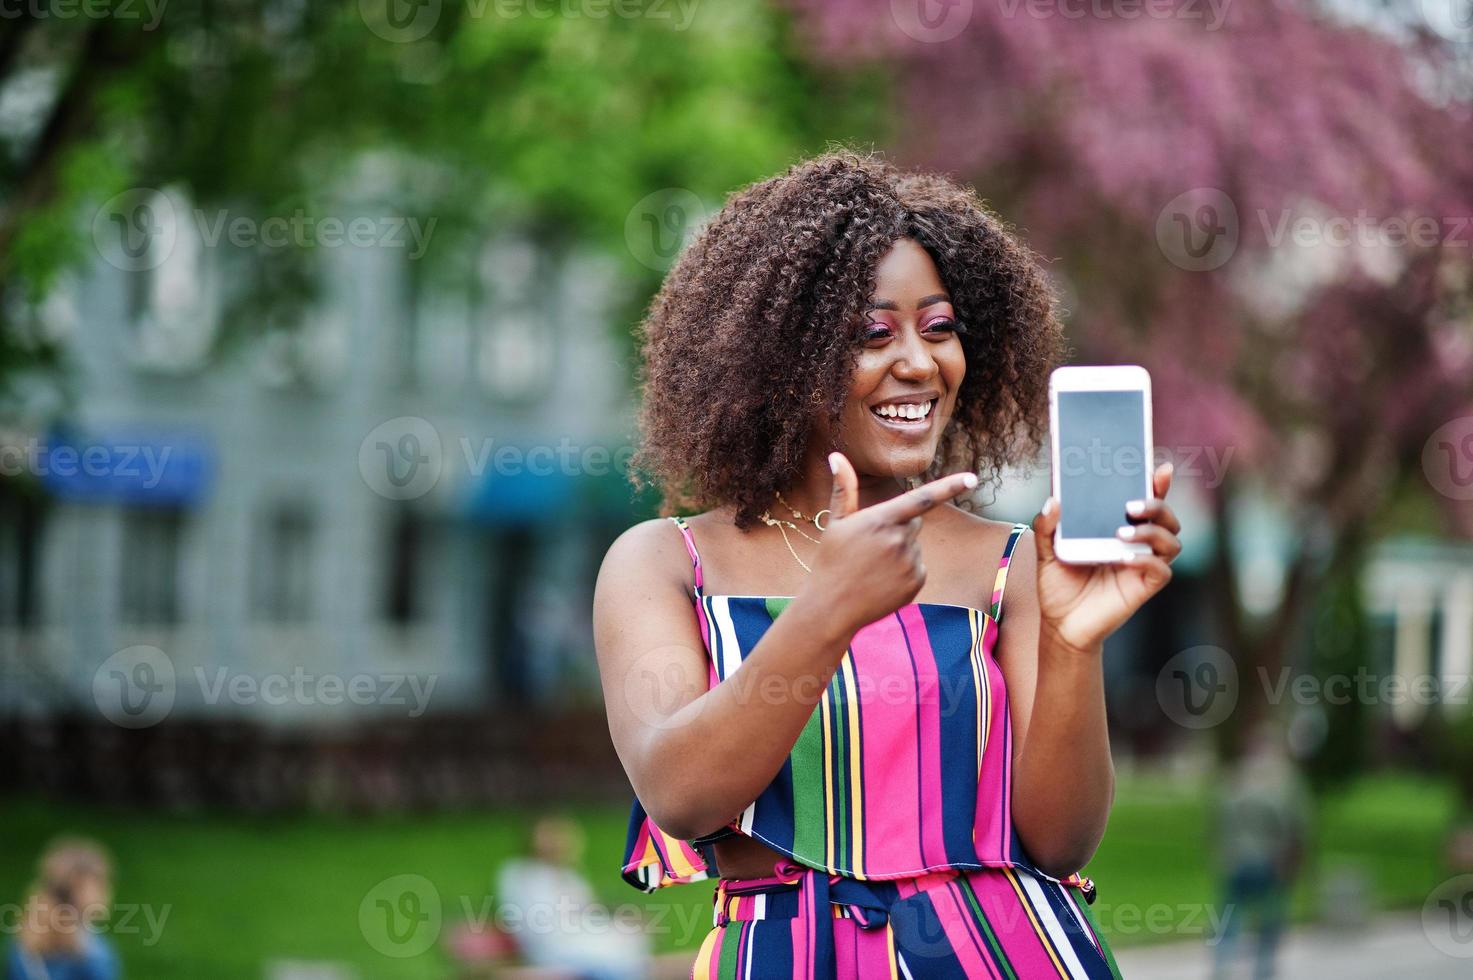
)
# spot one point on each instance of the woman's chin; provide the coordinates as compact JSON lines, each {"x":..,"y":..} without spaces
{"x":900,"y":463}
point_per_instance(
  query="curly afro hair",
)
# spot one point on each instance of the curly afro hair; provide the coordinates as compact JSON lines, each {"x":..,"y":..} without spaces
{"x":755,"y":331}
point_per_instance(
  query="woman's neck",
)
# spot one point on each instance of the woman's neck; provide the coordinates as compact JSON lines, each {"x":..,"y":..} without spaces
{"x":813,"y":491}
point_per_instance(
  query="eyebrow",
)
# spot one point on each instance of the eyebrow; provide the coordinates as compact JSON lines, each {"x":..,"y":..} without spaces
{"x":921,"y":304}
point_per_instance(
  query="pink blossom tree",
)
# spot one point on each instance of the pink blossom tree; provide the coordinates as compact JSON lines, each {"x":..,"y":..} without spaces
{"x":1266,"y":205}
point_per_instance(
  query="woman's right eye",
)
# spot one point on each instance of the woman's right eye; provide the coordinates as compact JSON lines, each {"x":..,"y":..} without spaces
{"x":873,"y":332}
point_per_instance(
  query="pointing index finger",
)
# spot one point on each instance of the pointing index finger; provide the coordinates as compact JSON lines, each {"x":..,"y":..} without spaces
{"x":914,"y":503}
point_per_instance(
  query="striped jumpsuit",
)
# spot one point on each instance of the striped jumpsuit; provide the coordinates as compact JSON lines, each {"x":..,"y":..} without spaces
{"x":892,"y":813}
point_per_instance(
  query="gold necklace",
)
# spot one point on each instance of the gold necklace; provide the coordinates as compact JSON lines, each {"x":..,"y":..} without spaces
{"x":816,"y":518}
{"x":782,"y":527}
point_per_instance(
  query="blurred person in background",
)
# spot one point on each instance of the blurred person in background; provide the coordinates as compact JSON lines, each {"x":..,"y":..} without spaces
{"x":560,"y":928}
{"x":57,"y":938}
{"x":1263,"y":825}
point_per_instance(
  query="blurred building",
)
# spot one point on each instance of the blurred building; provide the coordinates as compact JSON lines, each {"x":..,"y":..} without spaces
{"x":1420,"y":594}
{"x":414,"y":477}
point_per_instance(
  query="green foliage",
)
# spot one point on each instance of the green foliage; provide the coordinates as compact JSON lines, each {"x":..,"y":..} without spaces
{"x":1339,"y":646}
{"x":553,"y":122}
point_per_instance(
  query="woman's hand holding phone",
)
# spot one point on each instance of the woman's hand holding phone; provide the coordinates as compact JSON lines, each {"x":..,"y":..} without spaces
{"x":1080,"y":605}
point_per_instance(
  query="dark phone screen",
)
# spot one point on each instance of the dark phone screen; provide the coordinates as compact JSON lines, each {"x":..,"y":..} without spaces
{"x":1102,"y":459}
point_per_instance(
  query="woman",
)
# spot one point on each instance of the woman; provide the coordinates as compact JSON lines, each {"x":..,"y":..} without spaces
{"x":891,"y":784}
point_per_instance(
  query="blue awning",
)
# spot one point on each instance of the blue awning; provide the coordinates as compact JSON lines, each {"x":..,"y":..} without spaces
{"x":526,"y":495}
{"x":144,"y":467}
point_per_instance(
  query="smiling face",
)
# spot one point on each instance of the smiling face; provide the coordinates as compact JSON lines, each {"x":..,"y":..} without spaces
{"x":910,"y":368}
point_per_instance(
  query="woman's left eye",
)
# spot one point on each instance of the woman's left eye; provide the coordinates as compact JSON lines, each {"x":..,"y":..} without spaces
{"x":945,"y":326}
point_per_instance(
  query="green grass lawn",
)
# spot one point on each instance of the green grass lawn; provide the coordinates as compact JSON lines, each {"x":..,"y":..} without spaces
{"x":239,"y":891}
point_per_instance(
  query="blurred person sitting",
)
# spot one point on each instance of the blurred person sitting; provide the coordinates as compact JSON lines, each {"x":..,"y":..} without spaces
{"x":559,"y":927}
{"x":1264,"y":817}
{"x":57,"y":938}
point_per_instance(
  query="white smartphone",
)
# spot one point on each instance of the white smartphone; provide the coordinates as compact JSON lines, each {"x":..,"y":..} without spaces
{"x":1102,"y":452}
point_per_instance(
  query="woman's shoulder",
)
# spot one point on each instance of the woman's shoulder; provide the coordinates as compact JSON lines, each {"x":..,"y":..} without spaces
{"x":656,"y":544}
{"x":977,"y":543}
{"x":976,"y":531}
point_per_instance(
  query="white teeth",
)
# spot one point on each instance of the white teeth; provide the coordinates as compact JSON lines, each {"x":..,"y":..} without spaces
{"x":909,"y":411}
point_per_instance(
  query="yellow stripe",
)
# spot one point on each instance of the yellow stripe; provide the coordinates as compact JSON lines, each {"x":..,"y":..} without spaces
{"x":828,"y":770}
{"x":703,"y":958}
{"x":856,"y":807}
{"x":890,"y":948}
{"x":1043,"y":936}
{"x":977,"y":680}
{"x":985,"y":692}
{"x":675,"y":853}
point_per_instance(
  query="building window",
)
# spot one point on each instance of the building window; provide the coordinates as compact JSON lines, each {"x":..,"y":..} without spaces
{"x":511,"y":639}
{"x":404,"y":598}
{"x":281,"y":579}
{"x":171,"y":283}
{"x":150,"y":570}
{"x":20,"y":537}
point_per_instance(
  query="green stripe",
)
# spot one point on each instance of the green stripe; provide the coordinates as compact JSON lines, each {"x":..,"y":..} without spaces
{"x":808,"y":783}
{"x":732,"y":940}
{"x":998,"y":953}
{"x":841,"y":794}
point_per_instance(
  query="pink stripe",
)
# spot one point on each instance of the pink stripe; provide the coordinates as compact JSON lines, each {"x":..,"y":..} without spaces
{"x":961,"y":932}
{"x":1010,"y":922}
{"x":690,"y":547}
{"x":992,"y":830}
{"x":890,"y":763}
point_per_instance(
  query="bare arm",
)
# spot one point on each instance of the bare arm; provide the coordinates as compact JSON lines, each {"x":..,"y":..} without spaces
{"x":697,"y":757}
{"x":1051,"y":655}
{"x":1063,"y":775}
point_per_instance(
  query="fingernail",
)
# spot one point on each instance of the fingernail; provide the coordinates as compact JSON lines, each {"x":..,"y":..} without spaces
{"x":1170,"y":468}
{"x":833,"y":462}
{"x":1135,"y":508}
{"x":1127,"y":532}
{"x":969,"y":480}
{"x":1048,"y":506}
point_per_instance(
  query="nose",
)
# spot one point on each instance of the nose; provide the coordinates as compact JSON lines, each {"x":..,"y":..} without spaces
{"x":913,"y":360}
